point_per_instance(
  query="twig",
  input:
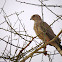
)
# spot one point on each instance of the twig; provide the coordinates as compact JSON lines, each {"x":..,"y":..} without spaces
{"x":41,"y":47}
{"x":9,"y":43}
{"x":40,"y":5}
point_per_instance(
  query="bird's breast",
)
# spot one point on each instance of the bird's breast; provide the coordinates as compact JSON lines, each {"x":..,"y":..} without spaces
{"x":39,"y":32}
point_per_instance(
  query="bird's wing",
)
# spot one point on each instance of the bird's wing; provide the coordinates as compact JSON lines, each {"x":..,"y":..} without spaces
{"x":49,"y":32}
{"x":47,"y":29}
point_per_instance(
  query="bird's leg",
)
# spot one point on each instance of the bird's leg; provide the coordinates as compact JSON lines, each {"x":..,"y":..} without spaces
{"x":45,"y":52}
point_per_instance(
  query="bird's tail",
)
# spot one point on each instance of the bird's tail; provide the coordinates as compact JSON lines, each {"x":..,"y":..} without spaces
{"x":59,"y":48}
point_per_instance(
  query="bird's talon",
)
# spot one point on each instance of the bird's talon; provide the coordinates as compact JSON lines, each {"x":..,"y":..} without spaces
{"x":45,"y":53}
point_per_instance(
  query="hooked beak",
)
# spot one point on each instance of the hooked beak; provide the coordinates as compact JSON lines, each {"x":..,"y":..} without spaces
{"x":30,"y":18}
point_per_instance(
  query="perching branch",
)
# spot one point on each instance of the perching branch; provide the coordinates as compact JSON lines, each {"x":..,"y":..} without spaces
{"x":41,"y":47}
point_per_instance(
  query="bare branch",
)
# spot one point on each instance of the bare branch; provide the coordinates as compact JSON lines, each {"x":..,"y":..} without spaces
{"x":41,"y":47}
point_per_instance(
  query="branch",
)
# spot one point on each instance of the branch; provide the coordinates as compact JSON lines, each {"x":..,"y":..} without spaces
{"x":18,"y":56}
{"x":9,"y":43}
{"x":14,"y":29}
{"x":40,"y":5}
{"x":41,"y":47}
{"x":15,"y":33}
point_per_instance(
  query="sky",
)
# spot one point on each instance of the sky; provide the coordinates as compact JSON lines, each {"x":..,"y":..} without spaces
{"x":27,"y":10}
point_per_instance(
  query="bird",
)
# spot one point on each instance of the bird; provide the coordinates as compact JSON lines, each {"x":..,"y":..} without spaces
{"x":45,"y":32}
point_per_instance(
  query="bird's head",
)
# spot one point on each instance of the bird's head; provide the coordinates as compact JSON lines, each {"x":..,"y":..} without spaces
{"x":35,"y":17}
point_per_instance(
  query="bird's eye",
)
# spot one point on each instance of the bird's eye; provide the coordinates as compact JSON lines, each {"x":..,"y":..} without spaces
{"x":33,"y":15}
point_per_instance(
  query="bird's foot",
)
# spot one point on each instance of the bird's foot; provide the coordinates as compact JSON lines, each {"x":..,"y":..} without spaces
{"x":45,"y":53}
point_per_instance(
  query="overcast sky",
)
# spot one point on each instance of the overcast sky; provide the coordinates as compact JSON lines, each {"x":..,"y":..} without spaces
{"x":11,"y":6}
